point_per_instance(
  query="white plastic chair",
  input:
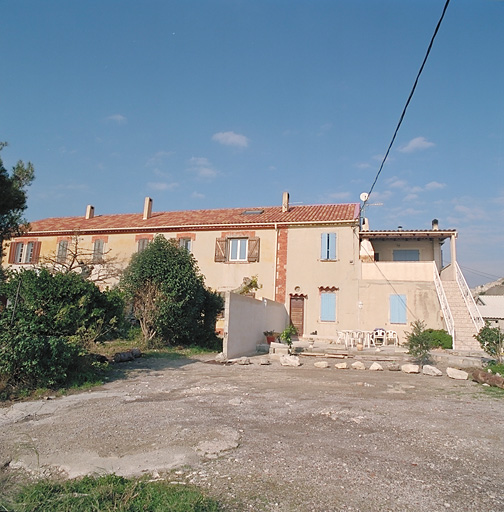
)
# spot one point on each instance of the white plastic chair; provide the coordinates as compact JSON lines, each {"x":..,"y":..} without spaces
{"x":391,"y":336}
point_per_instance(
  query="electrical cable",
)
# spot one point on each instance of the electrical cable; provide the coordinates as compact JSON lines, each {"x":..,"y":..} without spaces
{"x":407,"y":103}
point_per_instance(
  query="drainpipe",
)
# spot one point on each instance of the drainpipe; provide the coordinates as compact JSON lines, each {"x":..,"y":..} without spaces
{"x":276,"y":262}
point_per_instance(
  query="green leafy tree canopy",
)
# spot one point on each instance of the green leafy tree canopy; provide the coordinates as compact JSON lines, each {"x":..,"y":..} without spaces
{"x":169,"y":298}
{"x":13,"y":197}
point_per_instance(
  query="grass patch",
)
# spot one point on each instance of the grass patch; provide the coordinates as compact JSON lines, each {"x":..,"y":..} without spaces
{"x":496,"y":368}
{"x":108,"y":493}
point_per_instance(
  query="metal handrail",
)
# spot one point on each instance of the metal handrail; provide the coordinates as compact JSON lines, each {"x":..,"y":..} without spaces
{"x":469,"y":299}
{"x":445,"y":307}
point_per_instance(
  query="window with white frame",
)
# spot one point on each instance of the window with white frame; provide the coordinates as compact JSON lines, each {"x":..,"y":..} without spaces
{"x":21,"y":252}
{"x":142,"y":244}
{"x":238,"y":249}
{"x":18,"y":258}
{"x":61,"y":255}
{"x":327,"y":306}
{"x":98,"y":252}
{"x":328,"y":247}
{"x":185,"y":243}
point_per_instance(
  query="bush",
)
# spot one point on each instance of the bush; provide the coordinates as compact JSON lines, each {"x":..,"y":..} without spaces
{"x":418,"y":342}
{"x":491,"y":340}
{"x":167,"y":293}
{"x":439,"y":338}
{"x":31,"y":360}
{"x":62,"y":305}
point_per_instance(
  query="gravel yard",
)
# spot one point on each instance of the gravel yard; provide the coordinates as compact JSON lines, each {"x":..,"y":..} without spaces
{"x":275,"y":438}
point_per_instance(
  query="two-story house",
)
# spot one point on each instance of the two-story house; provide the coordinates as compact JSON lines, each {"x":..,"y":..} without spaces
{"x":321,"y":261}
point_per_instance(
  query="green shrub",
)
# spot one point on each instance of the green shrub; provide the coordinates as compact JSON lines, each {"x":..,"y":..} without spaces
{"x":439,"y":338}
{"x":168,"y":296}
{"x":491,"y":340}
{"x":62,"y":305}
{"x":418,"y":342}
{"x":33,"y":360}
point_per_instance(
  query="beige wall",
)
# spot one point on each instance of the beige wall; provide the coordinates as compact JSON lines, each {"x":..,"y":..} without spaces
{"x":374,"y":311}
{"x":306,"y":273}
{"x":246,"y":319}
{"x":398,"y":270}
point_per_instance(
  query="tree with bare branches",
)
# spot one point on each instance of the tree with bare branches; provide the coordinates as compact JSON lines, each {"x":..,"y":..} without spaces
{"x":98,"y":268}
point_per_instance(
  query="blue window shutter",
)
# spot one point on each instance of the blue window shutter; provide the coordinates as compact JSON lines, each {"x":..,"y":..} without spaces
{"x":328,"y":307}
{"x":328,"y":246}
{"x":323,"y":246}
{"x":332,"y":246}
{"x":398,"y":309}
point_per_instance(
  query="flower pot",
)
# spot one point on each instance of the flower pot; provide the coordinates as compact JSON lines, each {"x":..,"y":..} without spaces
{"x":270,"y":339}
{"x":360,"y":346}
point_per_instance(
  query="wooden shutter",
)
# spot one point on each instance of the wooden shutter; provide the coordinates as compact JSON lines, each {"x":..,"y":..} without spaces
{"x":220,"y":250}
{"x":36,"y":252}
{"x":12,"y":252}
{"x":253,"y":249}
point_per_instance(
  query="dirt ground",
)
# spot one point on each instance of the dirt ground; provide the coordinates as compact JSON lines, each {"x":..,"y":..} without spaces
{"x":275,"y":438}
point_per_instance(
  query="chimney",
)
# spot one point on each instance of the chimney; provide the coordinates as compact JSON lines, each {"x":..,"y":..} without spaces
{"x":147,"y":213}
{"x":285,"y":202}
{"x":435,"y":224}
{"x":365,"y":224}
{"x":89,"y":211}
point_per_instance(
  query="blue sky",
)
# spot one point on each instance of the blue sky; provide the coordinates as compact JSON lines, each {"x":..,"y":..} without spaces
{"x":224,"y":103}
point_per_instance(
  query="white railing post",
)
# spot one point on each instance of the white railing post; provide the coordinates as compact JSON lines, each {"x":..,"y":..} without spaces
{"x":468,"y":299}
{"x":445,"y":307}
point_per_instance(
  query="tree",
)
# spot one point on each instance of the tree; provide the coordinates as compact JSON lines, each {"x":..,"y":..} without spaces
{"x":80,"y":260}
{"x":13,"y":198}
{"x":167,"y":293}
{"x":491,"y":340}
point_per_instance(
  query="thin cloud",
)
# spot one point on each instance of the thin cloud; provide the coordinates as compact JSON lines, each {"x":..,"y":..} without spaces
{"x":339,"y":196}
{"x":231,"y":139}
{"x":434,"y":185}
{"x":416,"y":144}
{"x":197,"y":195}
{"x":362,"y":166}
{"x":117,"y":118}
{"x":202,"y":168}
{"x":158,"y":158}
{"x":159,"y":185}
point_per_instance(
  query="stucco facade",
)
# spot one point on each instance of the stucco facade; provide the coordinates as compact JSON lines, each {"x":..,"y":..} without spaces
{"x":330,"y":274}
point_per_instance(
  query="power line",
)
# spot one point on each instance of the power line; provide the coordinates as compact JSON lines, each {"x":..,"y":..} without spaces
{"x":479,"y":273}
{"x":408,"y":101}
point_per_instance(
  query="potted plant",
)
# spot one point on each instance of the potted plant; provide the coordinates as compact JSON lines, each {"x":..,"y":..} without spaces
{"x":270,"y":336}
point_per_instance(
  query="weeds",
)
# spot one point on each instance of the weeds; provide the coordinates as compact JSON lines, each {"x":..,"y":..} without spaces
{"x":108,"y":493}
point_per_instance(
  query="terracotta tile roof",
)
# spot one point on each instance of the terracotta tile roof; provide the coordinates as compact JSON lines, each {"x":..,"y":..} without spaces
{"x":201,"y":219}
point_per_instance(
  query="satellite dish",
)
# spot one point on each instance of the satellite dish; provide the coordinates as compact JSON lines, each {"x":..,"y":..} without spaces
{"x":364,"y":196}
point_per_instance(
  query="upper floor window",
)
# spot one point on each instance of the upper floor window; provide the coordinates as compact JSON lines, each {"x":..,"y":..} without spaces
{"x":328,"y":246}
{"x":185,"y":243}
{"x":21,"y":252}
{"x":61,"y":256}
{"x":142,"y":244}
{"x":237,"y":249}
{"x":98,"y":247}
{"x":406,"y":255}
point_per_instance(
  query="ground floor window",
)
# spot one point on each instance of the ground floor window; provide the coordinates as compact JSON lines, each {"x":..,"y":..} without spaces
{"x":328,"y":306}
{"x":397,"y":309}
